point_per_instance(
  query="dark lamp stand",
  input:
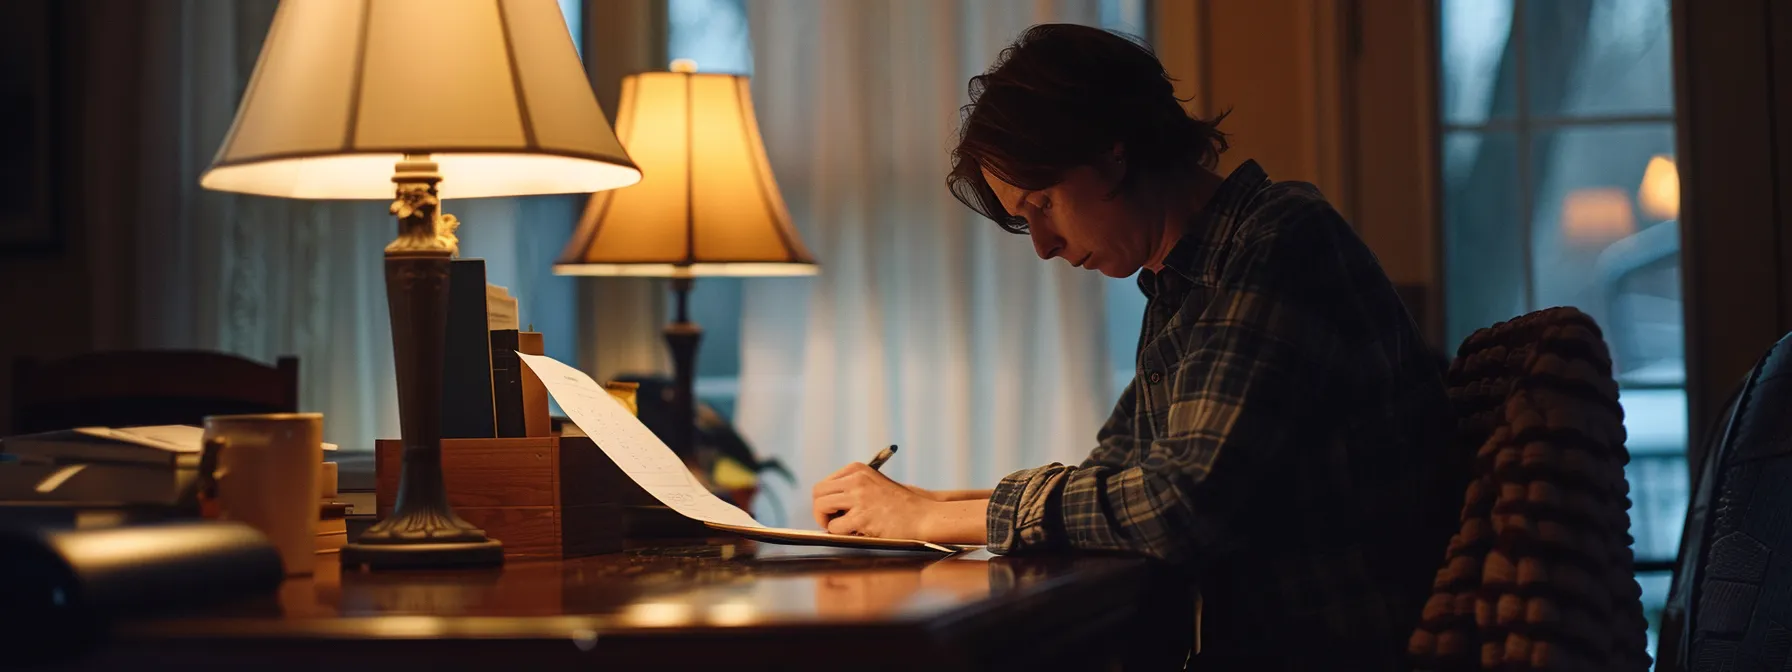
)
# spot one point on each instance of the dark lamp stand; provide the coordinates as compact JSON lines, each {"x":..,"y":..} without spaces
{"x":682,"y":337}
{"x":423,"y":531}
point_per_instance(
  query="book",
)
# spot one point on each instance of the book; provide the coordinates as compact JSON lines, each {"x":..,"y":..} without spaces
{"x":500,"y":308}
{"x":467,"y":410}
{"x":641,"y":455}
{"x":161,"y":445}
{"x":332,"y":527}
{"x":169,"y":445}
{"x":507,"y":384}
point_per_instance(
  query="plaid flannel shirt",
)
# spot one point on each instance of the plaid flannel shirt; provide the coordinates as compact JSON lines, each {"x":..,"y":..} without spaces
{"x":1284,"y":440}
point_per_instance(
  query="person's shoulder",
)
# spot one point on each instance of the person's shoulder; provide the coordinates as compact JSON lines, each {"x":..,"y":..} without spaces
{"x":1288,"y":212}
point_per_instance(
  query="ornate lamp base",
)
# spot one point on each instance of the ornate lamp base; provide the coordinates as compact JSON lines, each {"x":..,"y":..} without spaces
{"x":422,"y":531}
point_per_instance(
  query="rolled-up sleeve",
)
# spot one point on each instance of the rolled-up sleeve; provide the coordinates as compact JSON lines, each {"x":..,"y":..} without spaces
{"x":1257,"y":357}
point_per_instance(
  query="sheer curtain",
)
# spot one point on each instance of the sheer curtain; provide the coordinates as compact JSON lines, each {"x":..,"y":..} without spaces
{"x":264,"y":277}
{"x":926,"y":327}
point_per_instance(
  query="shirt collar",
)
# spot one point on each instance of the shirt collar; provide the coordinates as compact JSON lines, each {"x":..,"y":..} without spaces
{"x":1193,"y":258}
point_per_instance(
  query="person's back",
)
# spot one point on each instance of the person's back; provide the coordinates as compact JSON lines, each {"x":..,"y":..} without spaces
{"x":1333,"y":551}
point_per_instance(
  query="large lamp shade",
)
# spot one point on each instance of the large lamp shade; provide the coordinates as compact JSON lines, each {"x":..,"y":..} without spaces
{"x":708,"y":204}
{"x":419,"y":101}
{"x":492,"y":90}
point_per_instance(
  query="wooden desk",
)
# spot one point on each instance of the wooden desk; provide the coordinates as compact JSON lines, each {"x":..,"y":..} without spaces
{"x":729,"y":605}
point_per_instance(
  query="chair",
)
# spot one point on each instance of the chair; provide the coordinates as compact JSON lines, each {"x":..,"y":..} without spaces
{"x":147,"y":387}
{"x":1540,"y":574}
{"x":1730,"y":604}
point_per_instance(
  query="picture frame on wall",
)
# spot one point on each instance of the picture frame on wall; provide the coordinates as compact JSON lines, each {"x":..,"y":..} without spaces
{"x":30,"y":224}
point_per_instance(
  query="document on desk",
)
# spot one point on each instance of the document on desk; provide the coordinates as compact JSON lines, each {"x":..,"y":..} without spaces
{"x":646,"y":459}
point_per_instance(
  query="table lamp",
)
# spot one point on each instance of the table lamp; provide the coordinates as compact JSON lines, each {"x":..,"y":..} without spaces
{"x":419,"y":100}
{"x":707,"y":206}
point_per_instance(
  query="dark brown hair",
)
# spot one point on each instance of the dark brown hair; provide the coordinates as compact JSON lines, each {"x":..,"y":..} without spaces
{"x":1061,"y":97}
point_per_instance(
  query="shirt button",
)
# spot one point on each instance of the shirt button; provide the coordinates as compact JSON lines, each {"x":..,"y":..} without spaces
{"x":1154,"y":377}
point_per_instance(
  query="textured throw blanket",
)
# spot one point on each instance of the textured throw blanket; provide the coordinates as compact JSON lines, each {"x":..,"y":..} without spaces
{"x":1539,"y":577}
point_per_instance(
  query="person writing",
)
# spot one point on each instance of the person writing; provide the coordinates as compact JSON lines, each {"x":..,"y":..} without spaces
{"x":1285,"y":438}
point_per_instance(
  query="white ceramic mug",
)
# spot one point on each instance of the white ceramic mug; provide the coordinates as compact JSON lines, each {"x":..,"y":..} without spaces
{"x":263,"y":470}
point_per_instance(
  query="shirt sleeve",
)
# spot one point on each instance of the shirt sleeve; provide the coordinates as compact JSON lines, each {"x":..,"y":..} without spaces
{"x":1115,"y":440}
{"x":1256,"y":359}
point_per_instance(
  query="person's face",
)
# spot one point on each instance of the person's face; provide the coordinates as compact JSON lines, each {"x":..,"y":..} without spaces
{"x":1080,"y":220}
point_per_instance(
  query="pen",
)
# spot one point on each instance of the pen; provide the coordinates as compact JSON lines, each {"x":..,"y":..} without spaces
{"x":882,"y":457}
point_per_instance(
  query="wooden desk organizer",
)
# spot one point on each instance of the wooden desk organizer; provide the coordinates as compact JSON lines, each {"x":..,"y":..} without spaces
{"x":531,"y":493}
{"x":545,"y":497}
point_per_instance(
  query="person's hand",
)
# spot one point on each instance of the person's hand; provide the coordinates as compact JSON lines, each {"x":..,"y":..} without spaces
{"x":869,"y":503}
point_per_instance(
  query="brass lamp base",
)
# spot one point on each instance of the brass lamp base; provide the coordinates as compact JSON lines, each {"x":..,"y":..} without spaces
{"x":423,"y":531}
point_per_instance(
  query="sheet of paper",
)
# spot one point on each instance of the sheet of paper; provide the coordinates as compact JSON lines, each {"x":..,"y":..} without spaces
{"x":500,"y":308}
{"x":631,"y":445}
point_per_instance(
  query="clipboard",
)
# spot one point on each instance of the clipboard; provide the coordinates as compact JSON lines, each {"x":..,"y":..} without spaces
{"x":779,"y":535}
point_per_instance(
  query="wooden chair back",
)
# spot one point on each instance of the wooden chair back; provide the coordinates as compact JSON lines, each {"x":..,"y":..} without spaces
{"x":147,"y":387}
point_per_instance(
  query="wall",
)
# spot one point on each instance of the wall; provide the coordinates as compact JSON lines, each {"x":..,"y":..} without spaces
{"x":71,"y":300}
{"x":1334,"y":92}
{"x":1733,"y":80}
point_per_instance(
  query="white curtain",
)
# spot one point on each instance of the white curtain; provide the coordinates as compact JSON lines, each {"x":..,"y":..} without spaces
{"x":264,"y":277}
{"x":927,"y":327}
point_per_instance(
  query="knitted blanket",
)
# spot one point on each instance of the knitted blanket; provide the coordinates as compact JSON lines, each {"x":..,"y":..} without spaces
{"x":1539,"y":577}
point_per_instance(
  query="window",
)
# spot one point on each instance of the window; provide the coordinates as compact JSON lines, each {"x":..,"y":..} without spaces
{"x":1125,"y":304}
{"x":1560,"y":189}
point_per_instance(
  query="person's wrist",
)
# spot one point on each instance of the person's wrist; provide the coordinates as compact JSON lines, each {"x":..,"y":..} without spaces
{"x":926,"y":494}
{"x":932,"y":516}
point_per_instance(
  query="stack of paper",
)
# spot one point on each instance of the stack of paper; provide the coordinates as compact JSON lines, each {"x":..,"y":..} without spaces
{"x":640,"y":454}
{"x":160,"y":444}
{"x":500,"y":308}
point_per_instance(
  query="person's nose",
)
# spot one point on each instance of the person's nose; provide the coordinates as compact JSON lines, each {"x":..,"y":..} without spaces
{"x":1045,"y":243}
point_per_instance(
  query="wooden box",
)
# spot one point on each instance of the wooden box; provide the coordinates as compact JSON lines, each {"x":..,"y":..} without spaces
{"x":542,"y":497}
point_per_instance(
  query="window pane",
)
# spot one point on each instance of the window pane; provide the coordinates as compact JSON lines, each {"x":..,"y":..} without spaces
{"x":1125,"y":316}
{"x":715,"y":306}
{"x":1655,"y":595}
{"x":1477,"y":70}
{"x":1126,"y":16}
{"x":574,"y":11}
{"x":1124,"y":303}
{"x":1658,"y":495}
{"x":1594,"y":245}
{"x":711,"y":32}
{"x":1599,"y":57}
{"x":1484,"y":254}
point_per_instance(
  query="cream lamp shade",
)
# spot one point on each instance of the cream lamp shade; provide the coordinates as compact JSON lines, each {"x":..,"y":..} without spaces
{"x":708,"y":204}
{"x":492,"y":90}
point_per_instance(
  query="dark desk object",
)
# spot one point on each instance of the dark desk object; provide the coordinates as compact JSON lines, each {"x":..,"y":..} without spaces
{"x":147,"y":387}
{"x":64,"y":587}
{"x":729,"y":606}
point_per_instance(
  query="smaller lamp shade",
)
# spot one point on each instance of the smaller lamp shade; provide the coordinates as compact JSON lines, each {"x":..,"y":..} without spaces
{"x":492,"y":90}
{"x":708,"y":204}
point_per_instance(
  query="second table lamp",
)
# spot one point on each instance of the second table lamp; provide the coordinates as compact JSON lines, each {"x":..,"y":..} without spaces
{"x":707,"y":206}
